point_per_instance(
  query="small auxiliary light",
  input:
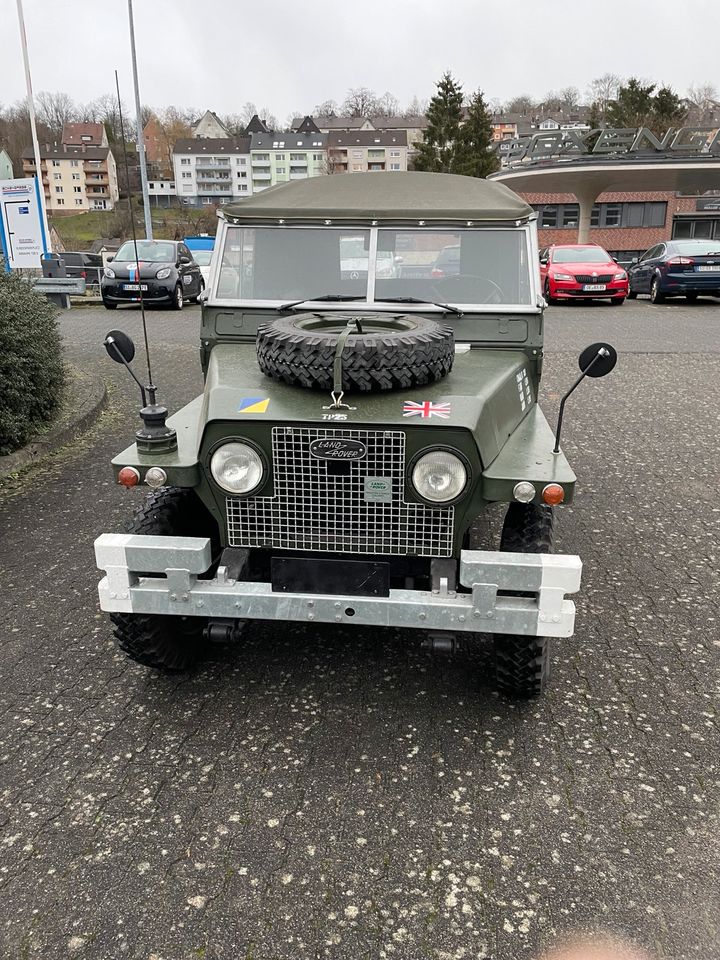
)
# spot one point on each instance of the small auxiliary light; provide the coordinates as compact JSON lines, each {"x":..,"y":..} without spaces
{"x":524,"y":491}
{"x":129,"y":477}
{"x":155,"y":477}
{"x":553,"y":494}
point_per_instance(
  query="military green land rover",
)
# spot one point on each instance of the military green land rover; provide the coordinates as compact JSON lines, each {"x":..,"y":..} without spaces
{"x":372,"y":347}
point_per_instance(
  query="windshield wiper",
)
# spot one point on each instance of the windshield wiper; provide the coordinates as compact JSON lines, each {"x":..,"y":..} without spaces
{"x":443,"y":306}
{"x":325,"y":298}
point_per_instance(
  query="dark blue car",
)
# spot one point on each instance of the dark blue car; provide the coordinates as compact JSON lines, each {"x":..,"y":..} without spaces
{"x":677,"y":268}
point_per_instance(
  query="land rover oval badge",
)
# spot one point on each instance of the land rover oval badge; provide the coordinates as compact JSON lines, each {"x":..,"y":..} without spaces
{"x":337,"y":448}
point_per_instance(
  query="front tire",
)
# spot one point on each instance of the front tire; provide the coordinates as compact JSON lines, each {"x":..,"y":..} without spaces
{"x":691,"y":297}
{"x":656,"y":296}
{"x":522,"y":663}
{"x":178,"y":300}
{"x":632,"y":294}
{"x":546,"y":293}
{"x":109,"y":306}
{"x":617,"y":301}
{"x":169,"y":644}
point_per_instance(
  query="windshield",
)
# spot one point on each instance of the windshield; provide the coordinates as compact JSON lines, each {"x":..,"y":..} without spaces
{"x":581,"y":255}
{"x":157,"y":250}
{"x":282,"y":264}
{"x":202,"y":257}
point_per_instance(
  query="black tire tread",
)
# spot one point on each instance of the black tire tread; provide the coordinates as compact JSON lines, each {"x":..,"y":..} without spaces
{"x":385,"y":360}
{"x":169,"y":644}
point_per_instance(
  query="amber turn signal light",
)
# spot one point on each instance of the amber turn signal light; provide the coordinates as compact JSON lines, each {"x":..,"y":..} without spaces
{"x":553,"y":494}
{"x":129,"y":477}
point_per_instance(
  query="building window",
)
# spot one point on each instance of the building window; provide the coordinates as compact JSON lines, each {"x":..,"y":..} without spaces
{"x":242,"y":186}
{"x":280,"y":156}
{"x":317,"y":157}
{"x":60,"y":202}
{"x":394,"y":153}
{"x":357,"y":154}
{"x":77,"y":189}
{"x":394,"y":166}
{"x":206,"y":201}
{"x":297,"y":156}
{"x":76,"y":176}
{"x":186,"y":175}
{"x":187,"y":188}
{"x":548,"y":216}
{"x":58,"y":189}
{"x":261,"y":156}
{"x":56,"y":163}
{"x":280,"y":171}
{"x":242,"y":174}
{"x":185,"y":161}
{"x":570,"y":214}
{"x":78,"y":203}
{"x":604,"y":215}
{"x":57,"y":176}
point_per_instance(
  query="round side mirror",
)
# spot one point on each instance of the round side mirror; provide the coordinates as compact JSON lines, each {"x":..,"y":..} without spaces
{"x":117,"y":342}
{"x":599,"y":357}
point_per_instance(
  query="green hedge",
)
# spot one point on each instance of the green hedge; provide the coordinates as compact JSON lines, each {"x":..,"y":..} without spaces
{"x":31,"y":368}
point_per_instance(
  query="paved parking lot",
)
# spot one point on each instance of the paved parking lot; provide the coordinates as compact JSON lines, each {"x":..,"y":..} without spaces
{"x":342,"y":794}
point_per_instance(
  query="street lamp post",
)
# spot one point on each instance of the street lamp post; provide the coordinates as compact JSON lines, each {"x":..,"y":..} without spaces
{"x":139,"y":132}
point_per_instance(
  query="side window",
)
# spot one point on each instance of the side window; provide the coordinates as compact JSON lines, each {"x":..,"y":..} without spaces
{"x":649,"y":254}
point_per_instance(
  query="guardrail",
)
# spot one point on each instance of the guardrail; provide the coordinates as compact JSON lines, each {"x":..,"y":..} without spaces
{"x":55,"y":285}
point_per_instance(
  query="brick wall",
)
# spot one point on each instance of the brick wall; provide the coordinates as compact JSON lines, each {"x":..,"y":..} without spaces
{"x":615,"y":238}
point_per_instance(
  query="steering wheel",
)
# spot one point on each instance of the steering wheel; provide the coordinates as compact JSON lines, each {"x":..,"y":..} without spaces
{"x":492,"y":293}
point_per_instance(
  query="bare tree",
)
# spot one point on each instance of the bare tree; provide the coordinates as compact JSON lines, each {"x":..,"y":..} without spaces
{"x":705,"y":103}
{"x":524,"y":104}
{"x":416,"y":108}
{"x":325,"y":109}
{"x":604,"y":89}
{"x":569,"y":98}
{"x":55,"y":110}
{"x":387,"y":105}
{"x":360,"y":102}
{"x":233,"y":123}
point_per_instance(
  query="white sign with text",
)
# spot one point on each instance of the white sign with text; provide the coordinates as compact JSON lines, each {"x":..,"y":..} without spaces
{"x":23,"y":236}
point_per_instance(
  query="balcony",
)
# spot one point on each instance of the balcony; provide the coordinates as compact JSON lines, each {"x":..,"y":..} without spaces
{"x":214,"y":190}
{"x":99,"y":167}
{"x":260,"y":163}
{"x":211,"y":167}
{"x":209,"y":178}
{"x":298,"y":163}
{"x":262,"y":175}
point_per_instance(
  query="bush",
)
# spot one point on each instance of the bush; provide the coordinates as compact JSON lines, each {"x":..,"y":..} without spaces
{"x":31,"y":368}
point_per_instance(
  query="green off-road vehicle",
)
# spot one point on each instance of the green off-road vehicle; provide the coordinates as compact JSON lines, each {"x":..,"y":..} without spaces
{"x":372,"y":348}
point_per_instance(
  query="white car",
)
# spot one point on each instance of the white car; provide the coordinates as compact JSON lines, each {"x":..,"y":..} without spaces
{"x":203,"y":259}
{"x":354,"y":260}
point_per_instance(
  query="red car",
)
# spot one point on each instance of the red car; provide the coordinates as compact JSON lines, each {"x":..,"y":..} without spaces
{"x":581,"y":270}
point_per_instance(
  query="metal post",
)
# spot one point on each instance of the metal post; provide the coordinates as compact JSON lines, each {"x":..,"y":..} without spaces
{"x":33,"y":127}
{"x":139,"y":133}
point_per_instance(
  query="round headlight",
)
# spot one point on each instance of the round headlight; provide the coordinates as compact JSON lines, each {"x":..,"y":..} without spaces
{"x":164,"y":273}
{"x":109,"y":273}
{"x":439,"y":476}
{"x":236,"y":467}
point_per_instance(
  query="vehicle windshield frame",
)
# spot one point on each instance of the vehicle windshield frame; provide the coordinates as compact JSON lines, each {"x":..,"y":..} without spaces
{"x":131,"y":246}
{"x":527,"y":228}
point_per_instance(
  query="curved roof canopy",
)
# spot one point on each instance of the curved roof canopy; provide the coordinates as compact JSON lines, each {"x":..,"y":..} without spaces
{"x":393,"y":196}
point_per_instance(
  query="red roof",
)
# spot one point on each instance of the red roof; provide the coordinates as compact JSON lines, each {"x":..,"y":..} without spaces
{"x":76,"y":134}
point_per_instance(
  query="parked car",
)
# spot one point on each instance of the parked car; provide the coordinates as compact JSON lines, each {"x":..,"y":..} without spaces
{"x":447,"y":262}
{"x":203,"y":259}
{"x":87,"y":266}
{"x":677,"y":268}
{"x":585,"y":270}
{"x":164,"y":272}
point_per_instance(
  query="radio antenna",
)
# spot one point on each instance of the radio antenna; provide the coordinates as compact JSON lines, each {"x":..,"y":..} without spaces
{"x":151,"y":389}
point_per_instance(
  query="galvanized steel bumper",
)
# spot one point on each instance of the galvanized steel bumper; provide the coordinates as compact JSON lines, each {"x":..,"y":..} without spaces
{"x":543,"y":611}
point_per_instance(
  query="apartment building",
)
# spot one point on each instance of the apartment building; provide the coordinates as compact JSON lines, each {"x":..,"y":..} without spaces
{"x":278,"y":157}
{"x":75,"y":178}
{"x":212,"y":171}
{"x":84,"y":135}
{"x":367,"y":150}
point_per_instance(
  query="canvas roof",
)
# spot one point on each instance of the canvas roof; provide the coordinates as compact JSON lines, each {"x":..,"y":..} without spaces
{"x":383,"y":196}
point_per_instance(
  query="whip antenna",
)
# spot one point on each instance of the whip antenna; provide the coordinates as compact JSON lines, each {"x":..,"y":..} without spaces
{"x":150,"y":387}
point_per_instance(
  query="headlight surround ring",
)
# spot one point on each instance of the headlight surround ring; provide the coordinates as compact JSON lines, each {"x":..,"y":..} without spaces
{"x":450,"y":469}
{"x":238,"y":467}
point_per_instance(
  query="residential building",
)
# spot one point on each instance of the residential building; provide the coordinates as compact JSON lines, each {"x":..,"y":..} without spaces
{"x":504,"y":128}
{"x":282,"y":156}
{"x":367,"y":150}
{"x":213,"y":170}
{"x":156,"y":151}
{"x":6,"y":167}
{"x":84,"y":135}
{"x":331,"y":123}
{"x":162,"y":193}
{"x":256,"y":125}
{"x":415,"y":128}
{"x":209,"y":126}
{"x":76,"y":179}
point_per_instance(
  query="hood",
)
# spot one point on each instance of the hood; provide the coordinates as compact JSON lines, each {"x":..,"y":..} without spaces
{"x":487,"y":393}
{"x":128,"y":269}
{"x":590,"y":268}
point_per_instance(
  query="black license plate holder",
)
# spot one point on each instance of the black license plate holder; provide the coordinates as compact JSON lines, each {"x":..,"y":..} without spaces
{"x":351,"y":578}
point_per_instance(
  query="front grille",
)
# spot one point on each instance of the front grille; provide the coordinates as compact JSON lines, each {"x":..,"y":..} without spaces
{"x":318,"y":508}
{"x":586,"y":278}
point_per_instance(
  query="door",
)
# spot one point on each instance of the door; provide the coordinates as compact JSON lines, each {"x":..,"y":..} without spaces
{"x":190,"y":273}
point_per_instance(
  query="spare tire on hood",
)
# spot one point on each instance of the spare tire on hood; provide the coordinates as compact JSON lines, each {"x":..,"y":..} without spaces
{"x":382,"y":351}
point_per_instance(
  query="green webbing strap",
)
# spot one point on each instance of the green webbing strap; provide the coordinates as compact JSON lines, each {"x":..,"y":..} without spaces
{"x":337,"y":364}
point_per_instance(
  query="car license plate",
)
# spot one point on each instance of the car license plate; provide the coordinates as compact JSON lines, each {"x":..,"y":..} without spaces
{"x":135,"y":286}
{"x":595,"y":286}
{"x":709,"y":267}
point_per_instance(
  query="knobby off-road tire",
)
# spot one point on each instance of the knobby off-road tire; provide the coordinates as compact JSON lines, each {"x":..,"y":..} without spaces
{"x":170,"y":644}
{"x":300,"y":350}
{"x":522,"y":664}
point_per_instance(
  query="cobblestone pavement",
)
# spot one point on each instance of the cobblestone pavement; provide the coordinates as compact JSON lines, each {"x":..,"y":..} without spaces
{"x":339,"y":793}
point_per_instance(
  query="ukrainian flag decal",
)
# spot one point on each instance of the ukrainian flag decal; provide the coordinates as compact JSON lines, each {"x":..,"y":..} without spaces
{"x":254,"y":405}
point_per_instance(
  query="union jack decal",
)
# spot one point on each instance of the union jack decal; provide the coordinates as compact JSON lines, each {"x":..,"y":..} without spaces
{"x":427,"y":409}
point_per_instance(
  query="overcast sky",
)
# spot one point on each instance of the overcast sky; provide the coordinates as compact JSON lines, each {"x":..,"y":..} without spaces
{"x":288,"y":55}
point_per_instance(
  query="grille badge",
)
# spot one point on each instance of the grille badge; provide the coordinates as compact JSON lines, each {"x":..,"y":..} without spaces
{"x":338,"y":448}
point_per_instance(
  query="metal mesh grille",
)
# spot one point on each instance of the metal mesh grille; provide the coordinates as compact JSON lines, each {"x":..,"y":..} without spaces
{"x":316,"y":509}
{"x":586,"y":278}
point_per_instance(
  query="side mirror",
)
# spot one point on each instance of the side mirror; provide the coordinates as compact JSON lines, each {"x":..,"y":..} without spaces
{"x":597,"y":360}
{"x":185,"y":260}
{"x":109,"y":259}
{"x":634,"y":260}
{"x":543,"y":261}
{"x":119,"y":346}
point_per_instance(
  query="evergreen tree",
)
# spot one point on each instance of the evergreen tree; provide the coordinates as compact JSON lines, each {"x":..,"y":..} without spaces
{"x":668,"y":110}
{"x":439,"y":146}
{"x":474,"y":158}
{"x":637,"y":105}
